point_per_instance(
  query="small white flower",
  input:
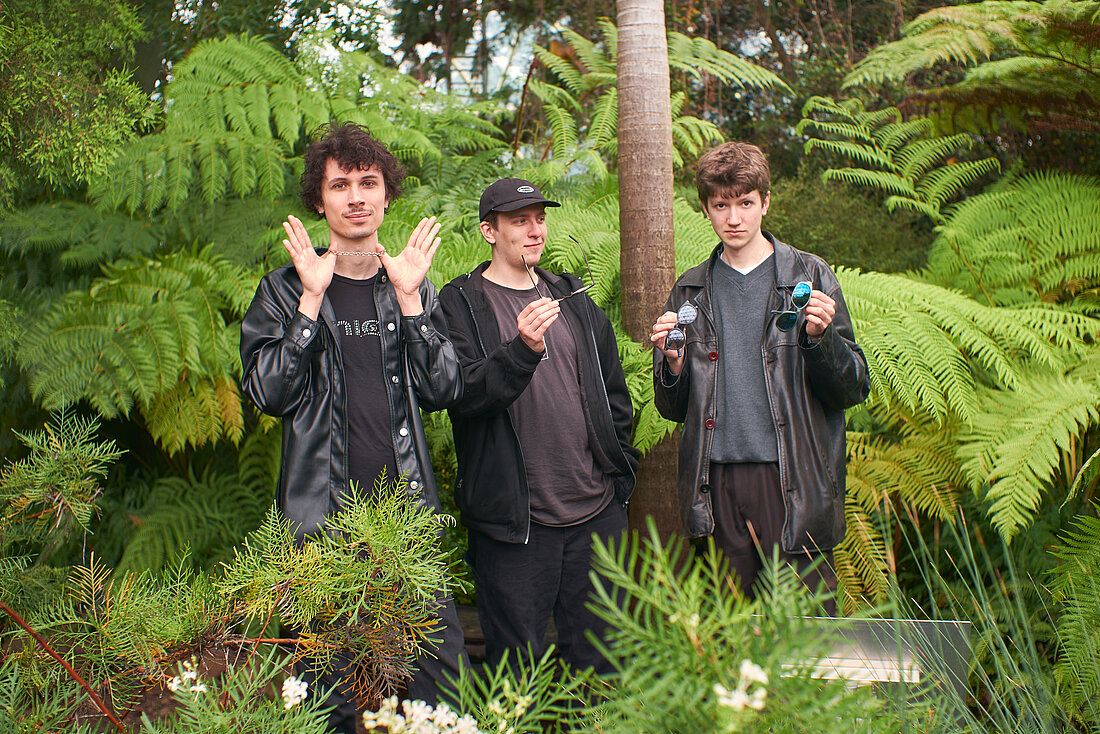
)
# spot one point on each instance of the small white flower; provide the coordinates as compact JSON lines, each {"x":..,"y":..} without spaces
{"x":199,"y":688}
{"x":174,"y":684}
{"x":466,"y":725}
{"x":294,"y":692}
{"x":736,"y":699}
{"x":753,"y":673}
{"x":756,"y":700}
{"x":495,"y":708}
{"x":189,"y":674}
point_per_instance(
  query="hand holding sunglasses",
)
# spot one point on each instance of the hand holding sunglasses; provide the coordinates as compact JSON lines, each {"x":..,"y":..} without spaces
{"x":669,"y":334}
{"x":817,"y":310}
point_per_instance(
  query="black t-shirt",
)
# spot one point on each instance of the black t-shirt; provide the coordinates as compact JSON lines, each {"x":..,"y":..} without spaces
{"x":566,"y":484}
{"x":370,"y":432}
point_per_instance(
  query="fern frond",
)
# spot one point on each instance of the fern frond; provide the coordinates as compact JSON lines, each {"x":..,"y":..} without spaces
{"x":1013,"y":453}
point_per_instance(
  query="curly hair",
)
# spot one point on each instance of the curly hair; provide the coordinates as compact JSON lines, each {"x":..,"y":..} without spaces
{"x":353,"y":148}
{"x":732,"y":169}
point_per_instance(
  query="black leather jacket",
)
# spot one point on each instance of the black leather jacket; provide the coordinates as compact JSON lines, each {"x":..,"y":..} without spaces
{"x":293,"y":370}
{"x":491,"y":490}
{"x":809,"y":386}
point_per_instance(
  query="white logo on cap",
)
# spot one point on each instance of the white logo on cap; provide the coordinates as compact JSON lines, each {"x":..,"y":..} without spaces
{"x":525,"y":189}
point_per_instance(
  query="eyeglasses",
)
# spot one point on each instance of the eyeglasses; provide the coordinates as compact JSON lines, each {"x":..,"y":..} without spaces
{"x":800,"y":296}
{"x":676,"y":338}
{"x":584,"y":287}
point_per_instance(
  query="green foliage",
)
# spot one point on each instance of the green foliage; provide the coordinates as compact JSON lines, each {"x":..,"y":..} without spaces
{"x":927,"y":347}
{"x":33,"y":706}
{"x":1074,"y":587}
{"x":240,"y":702}
{"x":366,"y":584}
{"x":1031,"y":238}
{"x":587,"y":82}
{"x":1023,"y":61}
{"x":150,"y":332}
{"x":52,"y":492}
{"x":844,"y":226}
{"x":527,"y":695}
{"x":917,"y":170}
{"x":1013,"y":451}
{"x":680,"y":632}
{"x":66,"y":106}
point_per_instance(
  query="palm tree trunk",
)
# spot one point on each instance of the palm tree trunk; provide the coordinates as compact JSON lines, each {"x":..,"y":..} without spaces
{"x":645,"y":219}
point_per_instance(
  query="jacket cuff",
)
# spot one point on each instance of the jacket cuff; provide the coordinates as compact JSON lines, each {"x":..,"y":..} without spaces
{"x":667,"y":378}
{"x":524,"y":355}
{"x":418,"y":327}
{"x":302,"y":330}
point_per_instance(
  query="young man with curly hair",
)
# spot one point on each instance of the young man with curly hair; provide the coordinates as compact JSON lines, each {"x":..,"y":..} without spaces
{"x":346,"y":344}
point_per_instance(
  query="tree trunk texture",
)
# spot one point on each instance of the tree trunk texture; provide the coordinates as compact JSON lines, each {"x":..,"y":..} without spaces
{"x":645,"y":220}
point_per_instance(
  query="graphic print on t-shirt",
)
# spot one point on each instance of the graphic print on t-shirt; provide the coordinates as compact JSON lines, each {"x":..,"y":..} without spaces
{"x":370,"y":432}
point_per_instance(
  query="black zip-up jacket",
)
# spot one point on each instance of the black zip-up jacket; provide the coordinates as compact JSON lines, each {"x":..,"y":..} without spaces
{"x":492,"y":490}
{"x":293,"y":370}
{"x":808,"y":385}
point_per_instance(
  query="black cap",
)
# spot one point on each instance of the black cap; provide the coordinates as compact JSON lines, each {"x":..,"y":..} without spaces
{"x":509,"y":194}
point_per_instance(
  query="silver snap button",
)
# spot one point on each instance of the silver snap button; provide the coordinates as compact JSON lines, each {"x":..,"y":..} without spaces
{"x":307,"y":333}
{"x":414,"y":484}
{"x":391,"y":326}
{"x":394,"y":378}
{"x":424,"y":328}
{"x":404,"y":431}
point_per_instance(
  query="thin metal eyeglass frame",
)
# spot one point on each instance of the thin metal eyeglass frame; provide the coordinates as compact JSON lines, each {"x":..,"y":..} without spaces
{"x":587,"y":286}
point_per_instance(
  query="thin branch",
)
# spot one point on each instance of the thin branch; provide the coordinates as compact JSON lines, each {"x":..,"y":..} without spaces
{"x":68,"y":668}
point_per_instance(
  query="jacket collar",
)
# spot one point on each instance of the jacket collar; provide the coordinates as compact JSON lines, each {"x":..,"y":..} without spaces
{"x":790,"y":268}
{"x":565,"y":284}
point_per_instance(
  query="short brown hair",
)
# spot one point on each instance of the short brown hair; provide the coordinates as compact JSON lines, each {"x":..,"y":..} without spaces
{"x":353,"y":148}
{"x":732,"y":169}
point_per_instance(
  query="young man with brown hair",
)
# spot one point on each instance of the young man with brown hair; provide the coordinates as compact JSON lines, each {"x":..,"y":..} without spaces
{"x":542,"y":433}
{"x":339,"y":332}
{"x":759,"y":367}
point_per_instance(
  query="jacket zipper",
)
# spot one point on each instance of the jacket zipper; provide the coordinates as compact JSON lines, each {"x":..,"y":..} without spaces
{"x":519,"y":449}
{"x":603,"y":387}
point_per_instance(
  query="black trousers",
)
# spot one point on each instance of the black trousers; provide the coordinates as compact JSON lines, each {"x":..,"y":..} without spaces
{"x":519,"y":586}
{"x":747,"y":501}
{"x":447,"y":657}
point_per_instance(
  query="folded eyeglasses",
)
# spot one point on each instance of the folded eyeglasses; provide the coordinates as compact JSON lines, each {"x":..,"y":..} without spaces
{"x":676,"y":338}
{"x":800,"y":296}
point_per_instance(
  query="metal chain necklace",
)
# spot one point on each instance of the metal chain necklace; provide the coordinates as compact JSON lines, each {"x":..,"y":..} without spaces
{"x":361,"y":254}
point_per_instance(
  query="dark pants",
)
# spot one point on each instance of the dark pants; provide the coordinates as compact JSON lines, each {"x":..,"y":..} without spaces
{"x":429,"y":676}
{"x":747,"y":501}
{"x":520,"y":585}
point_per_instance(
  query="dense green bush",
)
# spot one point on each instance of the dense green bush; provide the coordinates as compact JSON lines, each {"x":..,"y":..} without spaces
{"x":845,"y":226}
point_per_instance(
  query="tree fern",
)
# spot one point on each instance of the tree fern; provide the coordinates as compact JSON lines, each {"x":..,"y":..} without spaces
{"x":918,"y":171}
{"x":1014,"y":452}
{"x":593,"y":74}
{"x":925,"y":343}
{"x":1023,"y":60}
{"x":1032,"y":238}
{"x":140,"y":332}
{"x":199,"y":517}
{"x":1074,"y":586}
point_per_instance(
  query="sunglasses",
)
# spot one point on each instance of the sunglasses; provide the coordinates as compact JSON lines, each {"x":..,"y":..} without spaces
{"x":676,"y":338}
{"x":586,"y":286}
{"x":800,"y":296}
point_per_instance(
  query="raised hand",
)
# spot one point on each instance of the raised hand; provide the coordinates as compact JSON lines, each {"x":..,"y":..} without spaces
{"x":534,"y":320}
{"x":665,"y":323}
{"x":818,"y":314}
{"x":407,"y":270}
{"x":314,"y":271}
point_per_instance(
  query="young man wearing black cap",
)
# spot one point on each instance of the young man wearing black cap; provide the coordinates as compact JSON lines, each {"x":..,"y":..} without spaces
{"x":542,"y":433}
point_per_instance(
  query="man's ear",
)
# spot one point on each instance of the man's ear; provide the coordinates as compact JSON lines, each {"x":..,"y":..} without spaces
{"x":766,"y":203}
{"x":488,"y":233}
